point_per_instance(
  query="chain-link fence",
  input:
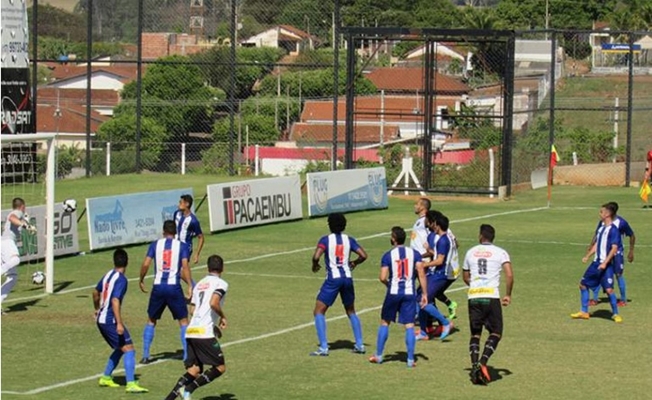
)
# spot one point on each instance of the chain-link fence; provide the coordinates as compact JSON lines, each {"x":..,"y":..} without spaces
{"x":207,"y":86}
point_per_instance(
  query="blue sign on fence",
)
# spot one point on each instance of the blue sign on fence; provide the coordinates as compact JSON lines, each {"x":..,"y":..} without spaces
{"x":131,"y":218}
{"x":620,"y":47}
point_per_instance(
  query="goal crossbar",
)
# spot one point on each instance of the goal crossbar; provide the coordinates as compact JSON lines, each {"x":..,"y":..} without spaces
{"x":50,"y":138}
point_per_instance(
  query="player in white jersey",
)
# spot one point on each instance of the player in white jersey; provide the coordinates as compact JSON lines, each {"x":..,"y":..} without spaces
{"x":208,"y":321}
{"x":419,"y":235}
{"x":16,"y":221}
{"x":483,"y":265}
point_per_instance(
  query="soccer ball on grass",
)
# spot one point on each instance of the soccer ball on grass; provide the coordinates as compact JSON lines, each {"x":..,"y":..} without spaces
{"x":38,"y":278}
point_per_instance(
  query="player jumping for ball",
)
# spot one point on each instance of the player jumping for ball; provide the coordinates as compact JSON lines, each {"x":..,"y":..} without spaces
{"x":16,"y":221}
{"x":336,"y":249}
{"x":188,"y":226}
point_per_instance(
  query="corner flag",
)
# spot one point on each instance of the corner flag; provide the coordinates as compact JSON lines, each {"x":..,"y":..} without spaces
{"x":554,"y":157}
{"x":645,"y":191}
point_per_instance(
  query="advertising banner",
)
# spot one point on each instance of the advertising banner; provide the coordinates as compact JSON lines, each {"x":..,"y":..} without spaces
{"x":255,"y":202}
{"x":18,"y":159}
{"x":130,"y":218}
{"x":346,"y":190}
{"x":32,"y":246}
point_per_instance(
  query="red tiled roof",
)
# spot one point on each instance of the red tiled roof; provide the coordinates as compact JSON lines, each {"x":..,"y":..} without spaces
{"x":125,"y":72}
{"x":411,"y":80}
{"x":99,"y":97}
{"x":72,"y":120}
{"x":396,"y":109}
{"x":302,"y":34}
{"x":319,"y":133}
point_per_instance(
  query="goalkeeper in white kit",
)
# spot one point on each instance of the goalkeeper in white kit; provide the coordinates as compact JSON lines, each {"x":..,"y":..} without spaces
{"x":17,"y":220}
{"x":205,"y":361}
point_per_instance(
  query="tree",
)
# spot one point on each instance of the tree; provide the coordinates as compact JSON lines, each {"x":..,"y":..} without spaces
{"x":313,"y":84}
{"x":261,"y":129}
{"x":175,"y":95}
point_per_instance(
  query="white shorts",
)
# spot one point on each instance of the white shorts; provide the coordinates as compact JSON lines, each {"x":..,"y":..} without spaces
{"x":9,"y":250}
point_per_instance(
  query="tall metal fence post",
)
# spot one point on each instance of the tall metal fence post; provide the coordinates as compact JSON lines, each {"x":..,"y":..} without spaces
{"x":108,"y":158}
{"x":508,"y":116}
{"x":183,"y":158}
{"x":232,"y":86}
{"x":350,"y":95}
{"x":428,"y":108}
{"x":630,"y":110}
{"x":551,"y":128}
{"x":336,"y":80}
{"x":89,"y":55}
{"x":34,"y":64}
{"x":139,"y":85}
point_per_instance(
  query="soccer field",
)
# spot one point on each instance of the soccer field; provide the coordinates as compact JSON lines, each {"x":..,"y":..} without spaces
{"x":51,"y":348}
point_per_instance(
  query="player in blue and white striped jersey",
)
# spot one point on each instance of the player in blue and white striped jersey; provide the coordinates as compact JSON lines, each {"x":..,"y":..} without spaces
{"x":601,"y":271}
{"x":399,"y":270}
{"x":188,"y":226}
{"x":108,"y":296}
{"x":624,"y":229}
{"x":336,"y":249}
{"x":170,"y":258}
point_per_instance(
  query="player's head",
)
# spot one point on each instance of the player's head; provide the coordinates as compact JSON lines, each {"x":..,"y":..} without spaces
{"x":398,"y":236}
{"x":614,"y":205}
{"x":18,"y":204}
{"x":336,"y":222}
{"x":215,"y":264}
{"x":185,"y":202}
{"x":422,"y":205}
{"x":431,"y":218}
{"x":442,"y":222}
{"x":120,"y":258}
{"x":169,"y":227}
{"x":487,"y":233}
{"x":608,"y":210}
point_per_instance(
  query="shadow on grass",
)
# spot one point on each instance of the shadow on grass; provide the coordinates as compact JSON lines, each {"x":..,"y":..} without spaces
{"x":224,"y":396}
{"x":341,"y":345}
{"x":401,"y":356}
{"x":604,"y":314}
{"x":122,"y":380}
{"x":59,"y":286}
{"x":496,"y":374}
{"x":168,"y":355}
{"x":19,"y":307}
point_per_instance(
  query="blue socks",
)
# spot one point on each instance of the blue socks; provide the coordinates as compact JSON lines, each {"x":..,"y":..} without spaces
{"x":383,"y":333}
{"x":183,"y":341}
{"x":148,"y":338}
{"x":130,"y":365}
{"x":434,"y":312}
{"x":410,"y":341}
{"x":584,"y":300}
{"x":613,"y":300}
{"x":596,"y":292}
{"x":320,"y":325}
{"x":357,"y":329}
{"x":623,"y":288}
{"x":114,"y":360}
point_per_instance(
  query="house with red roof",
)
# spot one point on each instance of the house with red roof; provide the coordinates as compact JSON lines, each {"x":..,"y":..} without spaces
{"x":290,"y":38}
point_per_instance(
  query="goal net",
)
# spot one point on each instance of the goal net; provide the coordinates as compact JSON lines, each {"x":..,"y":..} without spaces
{"x":28,"y":172}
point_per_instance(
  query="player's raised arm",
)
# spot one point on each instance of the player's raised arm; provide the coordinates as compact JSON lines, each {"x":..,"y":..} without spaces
{"x":509,"y":283}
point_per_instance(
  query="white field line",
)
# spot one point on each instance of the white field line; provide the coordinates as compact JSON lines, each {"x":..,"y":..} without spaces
{"x":234,"y":343}
{"x":269,"y":255}
{"x":557,"y":243}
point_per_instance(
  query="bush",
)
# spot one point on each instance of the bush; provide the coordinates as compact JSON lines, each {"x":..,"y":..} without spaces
{"x":215,"y":161}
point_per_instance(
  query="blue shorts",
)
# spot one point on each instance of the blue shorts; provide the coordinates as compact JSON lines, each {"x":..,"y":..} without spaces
{"x":110,"y":334}
{"x":403,"y":305}
{"x":167,"y":296}
{"x":332,"y":287}
{"x":436,"y":286}
{"x":619,"y":263}
{"x":594,"y":277}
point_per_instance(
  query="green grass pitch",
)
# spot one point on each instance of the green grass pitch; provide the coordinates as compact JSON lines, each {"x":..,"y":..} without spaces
{"x":51,"y":348}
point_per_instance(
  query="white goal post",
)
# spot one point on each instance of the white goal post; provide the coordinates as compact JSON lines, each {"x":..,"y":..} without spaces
{"x":50,"y":139}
